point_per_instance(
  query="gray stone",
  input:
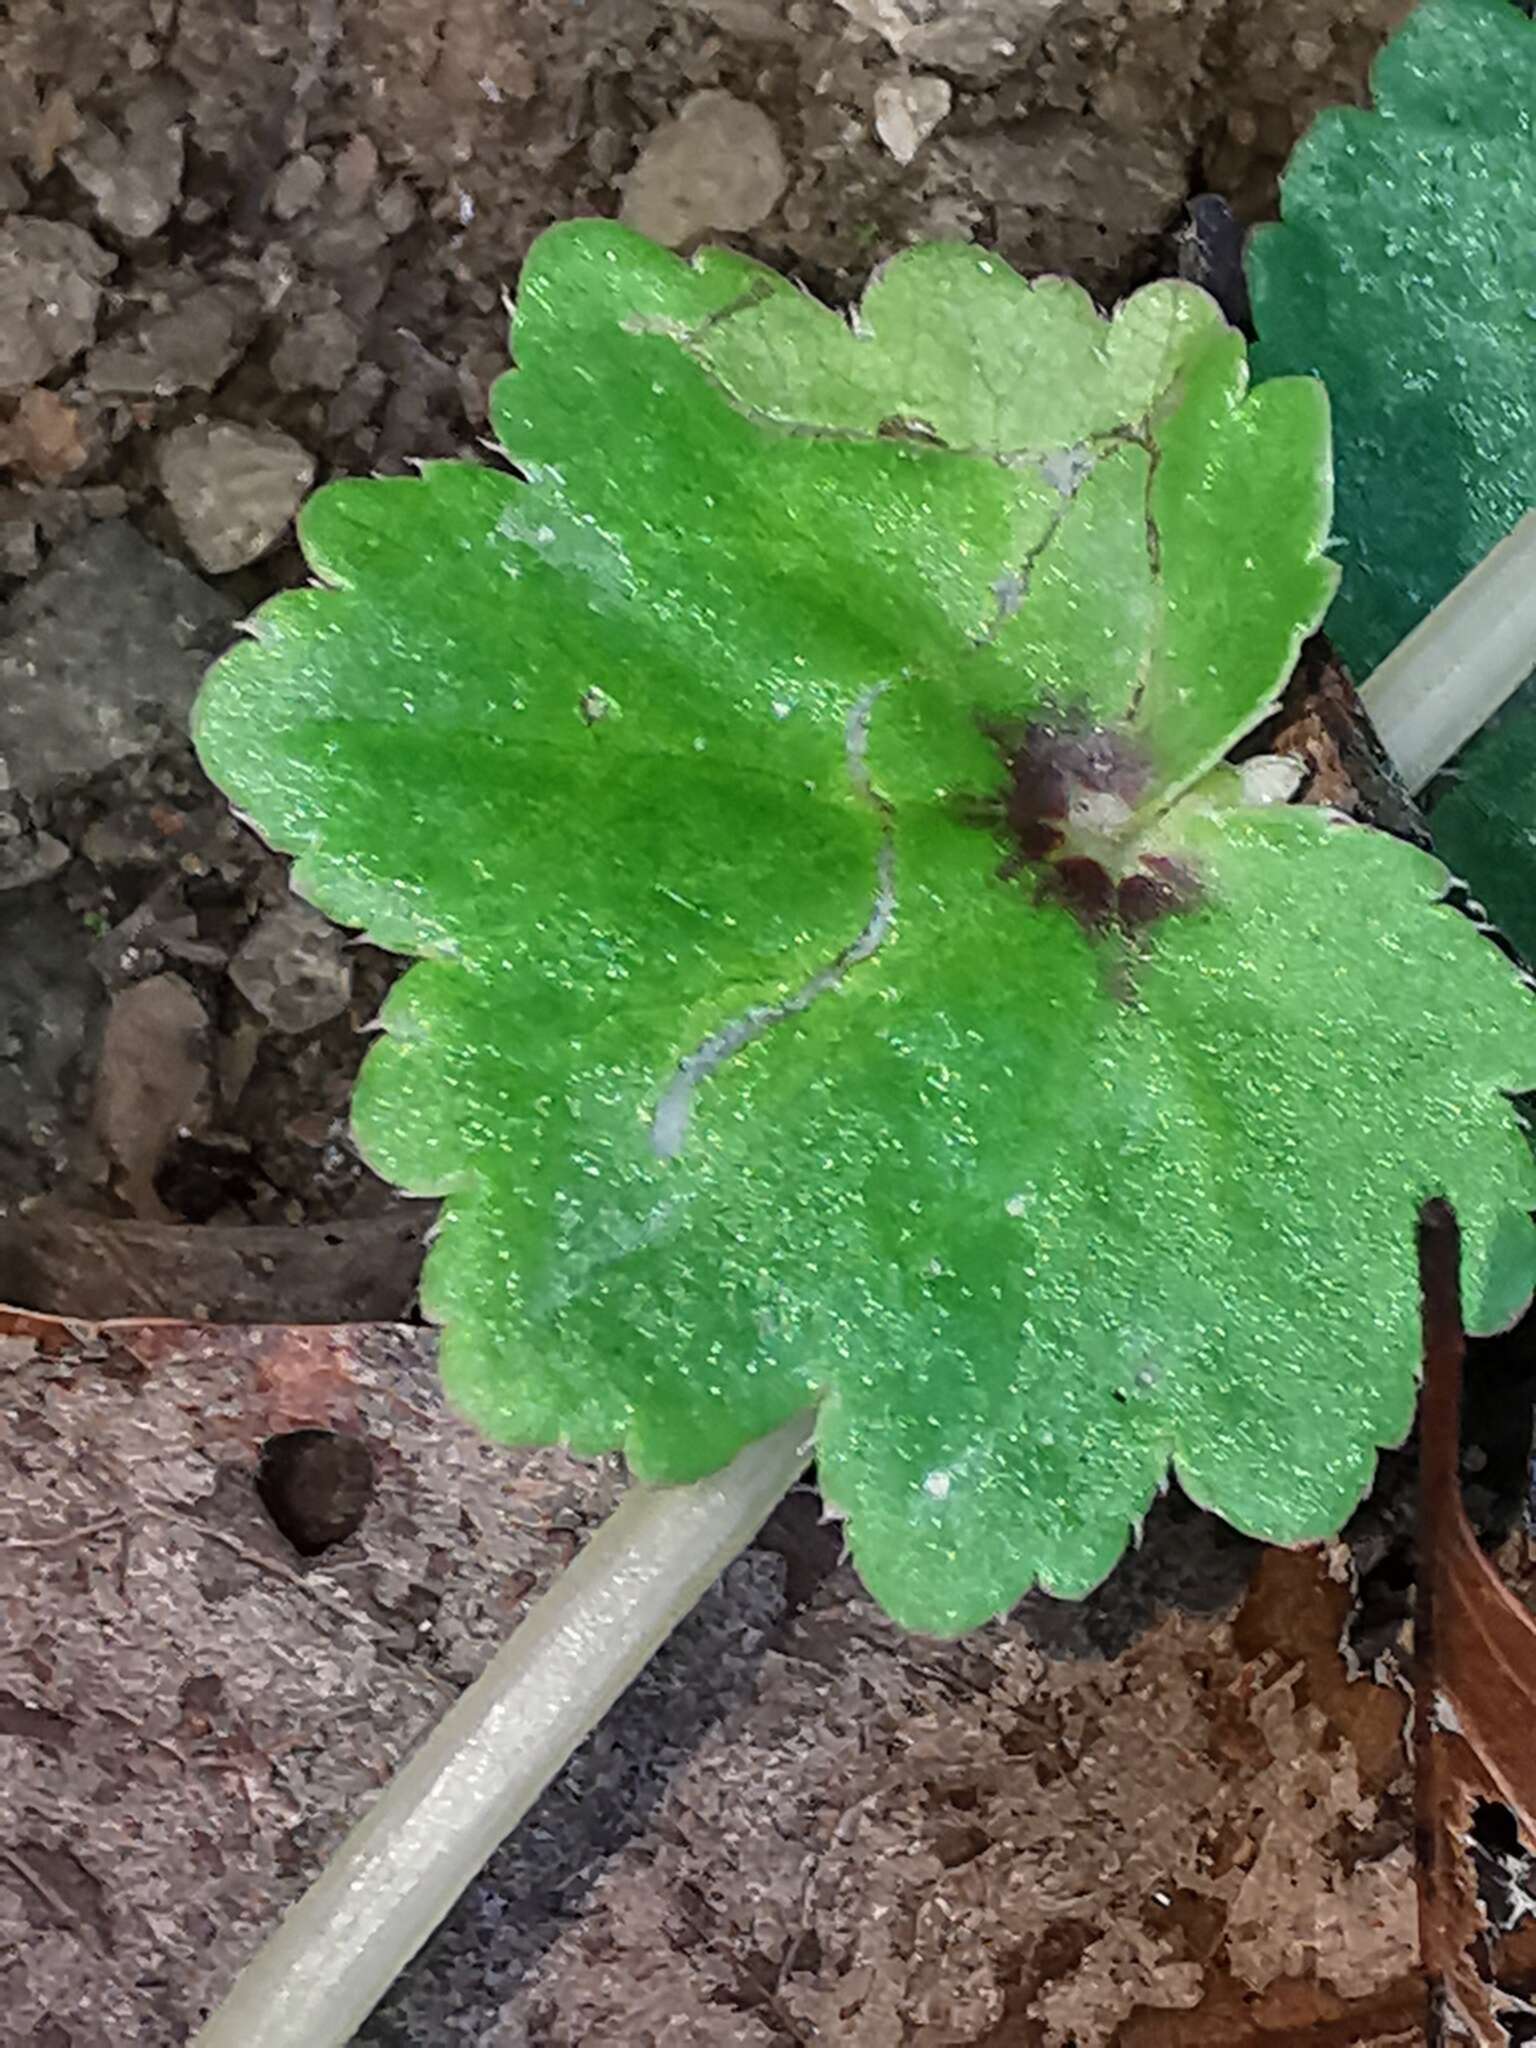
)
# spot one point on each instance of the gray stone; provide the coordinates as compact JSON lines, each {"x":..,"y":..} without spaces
{"x":760,"y":21}
{"x":233,"y":489}
{"x":293,"y":969}
{"x":98,"y":652}
{"x":28,"y":857}
{"x":296,"y":187}
{"x":346,"y":244}
{"x":50,"y":294}
{"x":319,"y":349}
{"x":354,"y":171}
{"x":717,"y":165}
{"x":959,"y":35}
{"x":49,"y":1003}
{"x":395,"y":208}
{"x":151,"y":1079}
{"x":186,"y":346}
{"x":18,"y":545}
{"x":133,"y":180}
{"x":907,"y":110}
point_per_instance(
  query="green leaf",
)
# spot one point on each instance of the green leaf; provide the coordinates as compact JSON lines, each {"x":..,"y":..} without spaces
{"x":1483,"y":815}
{"x":845,"y":978}
{"x":1404,"y":275}
{"x":1174,"y":1226}
{"x":1111,"y":433}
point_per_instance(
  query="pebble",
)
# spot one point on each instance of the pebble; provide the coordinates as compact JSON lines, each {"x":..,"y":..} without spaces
{"x":233,"y":489}
{"x":50,"y":295}
{"x":133,"y":181}
{"x":717,"y":165}
{"x":354,"y":171}
{"x":959,"y":35}
{"x":761,"y":21}
{"x":100,"y":652}
{"x":318,"y":352}
{"x":907,"y":110}
{"x":44,"y":438}
{"x":58,"y":124}
{"x":293,"y":969}
{"x":18,"y":546}
{"x":296,"y":187}
{"x":395,"y":208}
{"x":187,"y":346}
{"x":30,"y":857}
{"x":152,"y":1077}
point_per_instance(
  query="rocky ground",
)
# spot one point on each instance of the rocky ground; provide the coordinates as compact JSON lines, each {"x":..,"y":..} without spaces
{"x":243,"y":248}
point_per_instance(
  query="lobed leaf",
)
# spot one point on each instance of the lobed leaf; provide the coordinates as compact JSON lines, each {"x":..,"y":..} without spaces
{"x":1404,"y":275}
{"x":843,"y":977}
{"x":1483,"y":814}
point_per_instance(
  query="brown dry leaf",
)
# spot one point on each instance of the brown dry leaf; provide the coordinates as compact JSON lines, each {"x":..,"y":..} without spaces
{"x":994,"y":1843}
{"x":868,"y":1838}
{"x":192,"y":1713}
{"x":1476,"y":1681}
{"x":1322,"y":724}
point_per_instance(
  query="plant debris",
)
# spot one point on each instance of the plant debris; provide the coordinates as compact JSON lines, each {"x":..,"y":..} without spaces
{"x":1476,"y":1680}
{"x":192,"y":1707}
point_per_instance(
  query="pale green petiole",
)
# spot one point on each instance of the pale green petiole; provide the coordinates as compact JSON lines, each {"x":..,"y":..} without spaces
{"x":1458,"y":666}
{"x":485,"y":1763}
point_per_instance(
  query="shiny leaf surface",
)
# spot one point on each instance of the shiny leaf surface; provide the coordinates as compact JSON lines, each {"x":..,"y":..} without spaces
{"x":844,"y":977}
{"x":1404,"y":275}
{"x":1483,"y":815}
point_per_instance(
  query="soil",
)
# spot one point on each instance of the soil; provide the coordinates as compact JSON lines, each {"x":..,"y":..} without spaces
{"x":1177,"y":1812}
{"x":250,"y":1566}
{"x":240,"y":247}
{"x":243,"y":246}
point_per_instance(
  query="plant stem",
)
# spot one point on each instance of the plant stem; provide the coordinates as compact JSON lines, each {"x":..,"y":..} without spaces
{"x":486,"y":1762}
{"x":1457,"y":667}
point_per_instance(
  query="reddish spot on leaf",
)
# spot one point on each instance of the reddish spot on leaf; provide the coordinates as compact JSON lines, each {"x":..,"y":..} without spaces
{"x":1049,"y":767}
{"x":1083,"y":886}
